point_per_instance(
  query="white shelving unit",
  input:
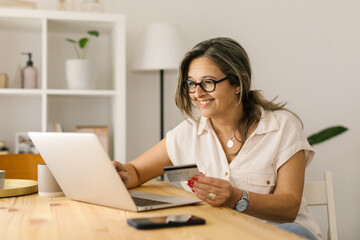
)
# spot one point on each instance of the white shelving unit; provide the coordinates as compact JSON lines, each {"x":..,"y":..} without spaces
{"x":43,"y":33}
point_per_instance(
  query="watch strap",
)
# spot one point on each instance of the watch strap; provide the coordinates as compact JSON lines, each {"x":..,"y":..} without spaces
{"x":245,"y":194}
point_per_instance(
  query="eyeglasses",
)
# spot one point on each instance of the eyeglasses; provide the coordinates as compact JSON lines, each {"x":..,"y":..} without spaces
{"x":208,"y":85}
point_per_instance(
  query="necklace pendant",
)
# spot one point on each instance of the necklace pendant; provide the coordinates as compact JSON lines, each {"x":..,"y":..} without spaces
{"x":230,"y":143}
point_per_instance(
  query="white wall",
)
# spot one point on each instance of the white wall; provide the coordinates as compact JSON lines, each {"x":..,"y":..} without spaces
{"x":307,"y":52}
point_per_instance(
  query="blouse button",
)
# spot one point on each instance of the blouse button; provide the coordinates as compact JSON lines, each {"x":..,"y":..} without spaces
{"x":226,"y":173}
{"x":268,"y":182}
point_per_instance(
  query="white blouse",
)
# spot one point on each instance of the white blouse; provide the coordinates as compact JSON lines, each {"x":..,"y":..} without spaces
{"x":276,"y":139}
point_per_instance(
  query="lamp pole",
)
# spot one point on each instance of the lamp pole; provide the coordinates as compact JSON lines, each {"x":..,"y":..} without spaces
{"x":161,"y":104}
{"x":161,"y":110}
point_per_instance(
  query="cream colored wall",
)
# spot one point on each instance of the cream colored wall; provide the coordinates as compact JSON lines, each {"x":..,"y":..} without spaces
{"x":307,"y":52}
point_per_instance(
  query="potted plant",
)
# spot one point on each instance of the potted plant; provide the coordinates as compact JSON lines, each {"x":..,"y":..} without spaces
{"x":80,"y":71}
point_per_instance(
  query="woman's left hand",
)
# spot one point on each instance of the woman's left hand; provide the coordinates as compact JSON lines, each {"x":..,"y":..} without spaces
{"x":214,"y":191}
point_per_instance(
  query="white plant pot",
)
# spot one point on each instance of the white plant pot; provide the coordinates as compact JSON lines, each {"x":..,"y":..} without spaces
{"x":80,"y":74}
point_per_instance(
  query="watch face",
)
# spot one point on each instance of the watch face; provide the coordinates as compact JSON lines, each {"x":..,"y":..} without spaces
{"x":241,"y":205}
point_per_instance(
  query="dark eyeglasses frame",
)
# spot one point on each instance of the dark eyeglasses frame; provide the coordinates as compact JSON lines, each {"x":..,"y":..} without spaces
{"x":187,"y":82}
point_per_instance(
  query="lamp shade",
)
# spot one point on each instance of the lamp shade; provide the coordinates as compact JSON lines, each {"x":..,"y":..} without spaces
{"x":161,"y":48}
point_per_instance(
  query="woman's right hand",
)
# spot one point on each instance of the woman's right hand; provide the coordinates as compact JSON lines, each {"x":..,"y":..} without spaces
{"x":123,"y":172}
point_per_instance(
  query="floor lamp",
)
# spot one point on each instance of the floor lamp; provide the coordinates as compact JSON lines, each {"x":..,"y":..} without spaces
{"x":161,"y":49}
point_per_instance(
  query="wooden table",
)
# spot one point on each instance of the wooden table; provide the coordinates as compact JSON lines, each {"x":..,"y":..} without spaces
{"x":34,"y":217}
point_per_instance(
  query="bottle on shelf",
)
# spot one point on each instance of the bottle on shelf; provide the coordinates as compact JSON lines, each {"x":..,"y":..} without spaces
{"x":3,"y":80}
{"x":29,"y":74}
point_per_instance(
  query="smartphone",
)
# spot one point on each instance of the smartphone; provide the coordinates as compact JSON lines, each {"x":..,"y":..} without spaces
{"x":165,"y":221}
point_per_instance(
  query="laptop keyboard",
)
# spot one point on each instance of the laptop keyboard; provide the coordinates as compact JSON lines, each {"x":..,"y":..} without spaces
{"x":147,"y":202}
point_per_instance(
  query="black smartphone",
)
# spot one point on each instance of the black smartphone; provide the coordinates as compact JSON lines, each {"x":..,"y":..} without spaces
{"x":165,"y":221}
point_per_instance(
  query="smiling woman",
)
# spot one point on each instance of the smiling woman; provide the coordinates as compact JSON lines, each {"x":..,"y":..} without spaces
{"x":252,"y":152}
{"x":231,"y":60}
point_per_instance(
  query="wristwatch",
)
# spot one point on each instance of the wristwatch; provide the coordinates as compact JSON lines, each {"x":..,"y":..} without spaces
{"x":244,"y":201}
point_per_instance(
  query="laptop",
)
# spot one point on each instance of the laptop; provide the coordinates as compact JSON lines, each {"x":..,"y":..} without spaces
{"x":85,"y":173}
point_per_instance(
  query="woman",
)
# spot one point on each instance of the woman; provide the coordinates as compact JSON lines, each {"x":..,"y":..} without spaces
{"x":252,"y":152}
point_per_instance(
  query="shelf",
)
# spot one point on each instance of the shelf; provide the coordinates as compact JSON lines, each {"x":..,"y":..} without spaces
{"x":44,"y":33}
{"x":61,"y":15}
{"x":20,"y":92}
{"x":81,"y":92}
{"x":65,"y":92}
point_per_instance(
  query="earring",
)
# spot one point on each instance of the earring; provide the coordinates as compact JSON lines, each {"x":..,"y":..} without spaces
{"x":237,"y":92}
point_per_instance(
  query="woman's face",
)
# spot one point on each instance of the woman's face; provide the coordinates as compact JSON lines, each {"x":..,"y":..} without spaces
{"x":223,"y":100}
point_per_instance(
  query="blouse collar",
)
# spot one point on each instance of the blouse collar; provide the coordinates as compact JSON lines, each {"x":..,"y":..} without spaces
{"x":267,"y":123}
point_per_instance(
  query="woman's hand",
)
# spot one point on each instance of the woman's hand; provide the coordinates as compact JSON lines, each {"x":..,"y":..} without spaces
{"x":123,"y":172}
{"x":214,"y":191}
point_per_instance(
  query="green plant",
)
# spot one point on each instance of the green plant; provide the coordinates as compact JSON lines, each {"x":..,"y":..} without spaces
{"x":81,"y":46}
{"x":325,"y":134}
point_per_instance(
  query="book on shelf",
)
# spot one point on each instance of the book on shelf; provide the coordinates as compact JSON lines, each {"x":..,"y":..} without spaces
{"x":55,"y":127}
{"x":17,"y":4}
{"x":100,"y":131}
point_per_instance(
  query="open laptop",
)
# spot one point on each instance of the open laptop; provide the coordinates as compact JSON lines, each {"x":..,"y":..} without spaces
{"x":85,"y":173}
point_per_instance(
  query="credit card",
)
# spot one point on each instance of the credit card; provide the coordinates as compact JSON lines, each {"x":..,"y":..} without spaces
{"x":180,"y":174}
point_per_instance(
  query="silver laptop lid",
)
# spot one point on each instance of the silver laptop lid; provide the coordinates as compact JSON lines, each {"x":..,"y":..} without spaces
{"x":82,"y":168}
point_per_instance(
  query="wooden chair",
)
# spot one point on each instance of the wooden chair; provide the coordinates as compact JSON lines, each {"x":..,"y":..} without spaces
{"x":20,"y":166}
{"x":322,"y":193}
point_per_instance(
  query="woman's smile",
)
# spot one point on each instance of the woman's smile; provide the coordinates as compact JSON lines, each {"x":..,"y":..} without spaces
{"x":205,"y":103}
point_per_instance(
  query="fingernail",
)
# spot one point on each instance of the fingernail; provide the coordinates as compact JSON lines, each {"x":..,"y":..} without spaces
{"x":192,"y":190}
{"x":202,"y":174}
{"x":190,"y":185}
{"x":194,"y":178}
{"x":190,"y":182}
